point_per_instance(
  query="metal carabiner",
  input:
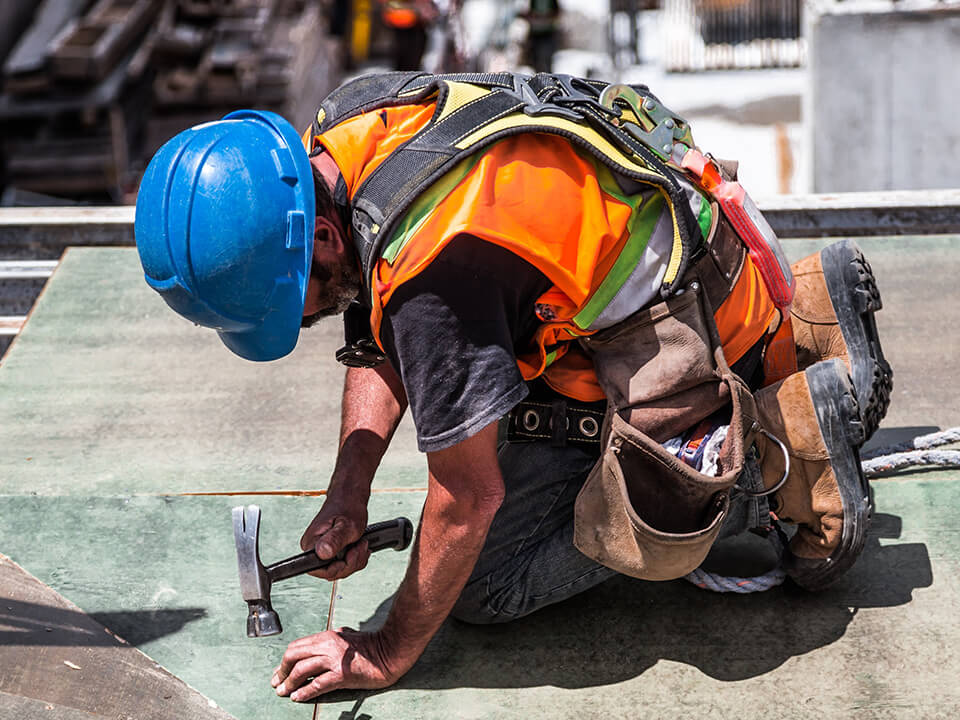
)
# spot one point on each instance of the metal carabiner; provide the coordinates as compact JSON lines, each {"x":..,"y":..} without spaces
{"x":664,"y":126}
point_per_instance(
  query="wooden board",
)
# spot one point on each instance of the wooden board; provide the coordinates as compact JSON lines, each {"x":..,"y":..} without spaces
{"x":52,"y":652}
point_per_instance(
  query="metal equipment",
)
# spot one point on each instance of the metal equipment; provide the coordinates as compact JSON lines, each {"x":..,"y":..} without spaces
{"x":257,"y":579}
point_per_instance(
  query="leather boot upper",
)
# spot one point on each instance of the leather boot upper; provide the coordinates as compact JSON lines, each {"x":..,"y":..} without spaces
{"x":810,"y":498}
{"x":816,"y":330}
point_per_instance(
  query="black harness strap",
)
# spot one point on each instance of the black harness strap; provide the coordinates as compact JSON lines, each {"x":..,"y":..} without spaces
{"x":370,"y":92}
{"x":390,"y":190}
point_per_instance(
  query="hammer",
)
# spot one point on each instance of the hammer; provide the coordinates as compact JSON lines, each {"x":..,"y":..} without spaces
{"x":256,"y":579}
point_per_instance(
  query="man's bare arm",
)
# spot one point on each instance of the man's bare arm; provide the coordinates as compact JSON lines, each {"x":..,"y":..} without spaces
{"x":373,"y":404}
{"x":464,"y":493}
{"x":465,"y":490}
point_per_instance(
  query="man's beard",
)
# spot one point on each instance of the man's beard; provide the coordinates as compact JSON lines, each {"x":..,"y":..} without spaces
{"x":339,"y":295}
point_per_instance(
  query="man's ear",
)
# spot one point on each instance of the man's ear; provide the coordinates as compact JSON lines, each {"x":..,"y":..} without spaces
{"x":325,"y":234}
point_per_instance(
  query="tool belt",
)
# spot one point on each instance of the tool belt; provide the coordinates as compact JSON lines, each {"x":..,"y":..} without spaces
{"x":561,"y":421}
{"x":548,"y":416}
{"x":642,"y":511}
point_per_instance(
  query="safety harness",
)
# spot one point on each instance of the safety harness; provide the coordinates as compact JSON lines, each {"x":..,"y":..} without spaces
{"x":625,"y":127}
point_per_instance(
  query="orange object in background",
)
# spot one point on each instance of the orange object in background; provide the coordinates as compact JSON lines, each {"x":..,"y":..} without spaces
{"x":406,"y":14}
{"x":400,"y":17}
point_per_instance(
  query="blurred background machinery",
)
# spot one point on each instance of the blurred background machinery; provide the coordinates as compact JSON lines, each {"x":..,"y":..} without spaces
{"x":89,"y":89}
{"x":92,"y":87}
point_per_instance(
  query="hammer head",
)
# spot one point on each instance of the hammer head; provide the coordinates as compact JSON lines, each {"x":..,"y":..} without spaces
{"x":262,"y":620}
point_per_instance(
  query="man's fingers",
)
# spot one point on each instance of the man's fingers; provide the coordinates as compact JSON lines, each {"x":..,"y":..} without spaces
{"x":302,"y":671}
{"x":318,"y":686}
{"x":333,"y":571}
{"x":340,"y":534}
{"x":296,"y":651}
{"x":309,"y":538}
{"x":354,"y":561}
{"x":357,"y":556}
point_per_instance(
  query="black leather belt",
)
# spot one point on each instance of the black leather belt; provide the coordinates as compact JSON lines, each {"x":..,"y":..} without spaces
{"x":560,"y":421}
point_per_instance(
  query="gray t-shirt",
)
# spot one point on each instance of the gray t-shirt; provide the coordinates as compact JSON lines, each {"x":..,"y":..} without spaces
{"x":453,"y":333}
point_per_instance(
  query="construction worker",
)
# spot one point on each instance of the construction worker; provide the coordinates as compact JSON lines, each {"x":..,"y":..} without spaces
{"x":509,"y":262}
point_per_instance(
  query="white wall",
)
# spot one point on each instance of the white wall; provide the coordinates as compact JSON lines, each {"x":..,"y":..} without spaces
{"x":882,"y":110}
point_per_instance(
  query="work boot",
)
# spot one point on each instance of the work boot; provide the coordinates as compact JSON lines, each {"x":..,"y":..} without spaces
{"x":814,"y":414}
{"x":832,"y":317}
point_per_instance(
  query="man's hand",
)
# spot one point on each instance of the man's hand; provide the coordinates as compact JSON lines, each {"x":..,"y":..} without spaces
{"x":338,"y":524}
{"x":332,"y":660}
{"x":464,"y":492}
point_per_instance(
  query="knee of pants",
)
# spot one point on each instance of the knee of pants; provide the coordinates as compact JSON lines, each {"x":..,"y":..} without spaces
{"x":473,"y":606}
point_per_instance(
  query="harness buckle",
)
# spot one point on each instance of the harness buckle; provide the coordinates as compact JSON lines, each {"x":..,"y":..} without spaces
{"x":563,"y":99}
{"x":534,"y":106}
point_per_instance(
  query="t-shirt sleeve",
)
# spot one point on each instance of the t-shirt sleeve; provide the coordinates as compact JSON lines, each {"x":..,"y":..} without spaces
{"x":451,"y":333}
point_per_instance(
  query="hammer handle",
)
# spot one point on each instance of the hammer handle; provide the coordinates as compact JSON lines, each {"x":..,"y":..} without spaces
{"x":395,"y":533}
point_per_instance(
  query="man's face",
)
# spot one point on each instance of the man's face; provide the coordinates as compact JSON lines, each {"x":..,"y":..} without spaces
{"x":334,"y":276}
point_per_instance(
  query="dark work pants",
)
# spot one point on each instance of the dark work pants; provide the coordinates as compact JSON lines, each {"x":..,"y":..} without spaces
{"x":529,"y":560}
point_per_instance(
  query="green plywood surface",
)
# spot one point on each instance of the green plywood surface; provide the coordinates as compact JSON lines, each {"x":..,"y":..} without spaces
{"x":110,"y":406}
{"x":162,"y":574}
{"x":107,"y":391}
{"x":882,"y":644}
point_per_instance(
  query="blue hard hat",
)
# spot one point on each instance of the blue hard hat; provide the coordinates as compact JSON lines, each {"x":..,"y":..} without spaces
{"x":224,"y":228}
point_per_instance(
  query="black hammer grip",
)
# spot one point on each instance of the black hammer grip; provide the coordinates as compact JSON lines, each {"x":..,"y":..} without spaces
{"x":391,"y":533}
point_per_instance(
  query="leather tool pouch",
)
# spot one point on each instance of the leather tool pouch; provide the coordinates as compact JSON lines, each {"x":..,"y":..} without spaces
{"x":642,"y":511}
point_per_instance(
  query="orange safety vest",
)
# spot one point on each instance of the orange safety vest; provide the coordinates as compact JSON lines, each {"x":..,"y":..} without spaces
{"x":539,"y":197}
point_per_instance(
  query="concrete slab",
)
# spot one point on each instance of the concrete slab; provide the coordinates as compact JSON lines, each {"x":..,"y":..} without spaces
{"x":18,"y":706}
{"x":57,"y":661}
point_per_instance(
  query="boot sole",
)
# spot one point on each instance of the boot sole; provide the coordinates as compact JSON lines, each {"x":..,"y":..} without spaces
{"x":855,"y":298}
{"x":838,"y":415}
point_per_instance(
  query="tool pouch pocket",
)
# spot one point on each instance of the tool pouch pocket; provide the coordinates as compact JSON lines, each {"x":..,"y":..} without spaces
{"x":642,"y":511}
{"x":659,"y":368}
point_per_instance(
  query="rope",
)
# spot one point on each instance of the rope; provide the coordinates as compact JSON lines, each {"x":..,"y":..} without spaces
{"x":720,"y":583}
{"x":883,"y":464}
{"x":913,"y":453}
{"x":922,"y":442}
{"x":743,"y":585}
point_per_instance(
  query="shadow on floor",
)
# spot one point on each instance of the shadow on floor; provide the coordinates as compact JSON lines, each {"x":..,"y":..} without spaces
{"x":28,"y":624}
{"x":889,"y":437}
{"x":621,"y":628}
